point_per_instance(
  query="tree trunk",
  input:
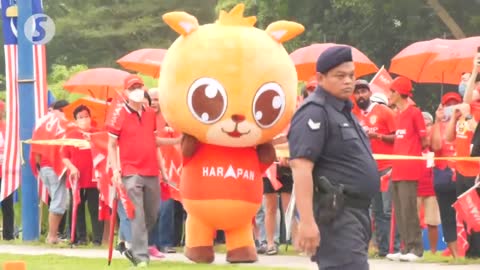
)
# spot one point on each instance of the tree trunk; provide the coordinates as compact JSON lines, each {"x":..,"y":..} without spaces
{"x":442,"y":13}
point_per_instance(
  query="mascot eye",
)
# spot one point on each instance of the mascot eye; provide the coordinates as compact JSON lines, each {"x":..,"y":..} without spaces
{"x":268,"y":104}
{"x":207,"y":100}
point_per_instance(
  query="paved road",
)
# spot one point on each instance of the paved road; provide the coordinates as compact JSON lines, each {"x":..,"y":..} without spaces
{"x":270,"y":261}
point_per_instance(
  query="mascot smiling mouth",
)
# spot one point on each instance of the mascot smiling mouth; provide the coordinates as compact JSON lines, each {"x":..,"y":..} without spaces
{"x":235,"y":133}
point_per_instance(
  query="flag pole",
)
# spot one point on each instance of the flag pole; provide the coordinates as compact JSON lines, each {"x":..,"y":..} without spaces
{"x":27,"y":123}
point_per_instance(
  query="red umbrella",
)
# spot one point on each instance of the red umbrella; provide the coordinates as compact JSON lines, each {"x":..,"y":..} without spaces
{"x":100,"y":83}
{"x":98,"y":110}
{"x":75,"y":201}
{"x":419,"y":62}
{"x":459,"y":58}
{"x":305,"y":60}
{"x":113,"y":223}
{"x":145,"y":61}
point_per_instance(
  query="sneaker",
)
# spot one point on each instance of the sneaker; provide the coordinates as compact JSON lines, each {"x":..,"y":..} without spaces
{"x":394,"y":256}
{"x":409,"y":257}
{"x":153,"y":251}
{"x":262,"y":249}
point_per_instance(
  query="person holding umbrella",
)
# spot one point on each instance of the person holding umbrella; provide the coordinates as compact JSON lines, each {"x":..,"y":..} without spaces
{"x":79,"y":163}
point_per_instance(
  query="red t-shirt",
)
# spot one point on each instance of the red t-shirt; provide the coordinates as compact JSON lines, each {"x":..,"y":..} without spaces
{"x":218,"y":172}
{"x":463,"y":141}
{"x":408,"y":141}
{"x":82,"y":159}
{"x":136,"y":141}
{"x":379,"y":119}
{"x":447,"y":150}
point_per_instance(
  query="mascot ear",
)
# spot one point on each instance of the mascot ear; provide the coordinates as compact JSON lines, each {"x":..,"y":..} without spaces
{"x":181,"y":22}
{"x":283,"y":31}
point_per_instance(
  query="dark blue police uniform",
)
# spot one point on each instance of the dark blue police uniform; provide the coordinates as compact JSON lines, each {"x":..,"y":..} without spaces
{"x":324,"y":131}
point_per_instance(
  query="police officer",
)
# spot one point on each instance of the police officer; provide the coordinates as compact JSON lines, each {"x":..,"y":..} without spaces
{"x":335,"y":175}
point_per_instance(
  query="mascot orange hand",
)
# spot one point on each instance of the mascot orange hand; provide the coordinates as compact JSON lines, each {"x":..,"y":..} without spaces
{"x":230,"y":88}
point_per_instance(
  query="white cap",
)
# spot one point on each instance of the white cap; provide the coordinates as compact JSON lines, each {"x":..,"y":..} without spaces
{"x":379,"y":98}
{"x":427,"y":116}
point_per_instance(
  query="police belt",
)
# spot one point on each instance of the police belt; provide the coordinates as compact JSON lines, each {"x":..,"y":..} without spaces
{"x":355,"y":200}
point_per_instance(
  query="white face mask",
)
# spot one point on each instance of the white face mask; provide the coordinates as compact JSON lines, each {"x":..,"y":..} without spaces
{"x":136,"y":95}
{"x":84,"y":123}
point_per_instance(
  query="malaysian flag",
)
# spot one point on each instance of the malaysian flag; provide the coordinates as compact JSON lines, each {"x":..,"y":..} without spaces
{"x":11,"y":162}
{"x":40,"y":88}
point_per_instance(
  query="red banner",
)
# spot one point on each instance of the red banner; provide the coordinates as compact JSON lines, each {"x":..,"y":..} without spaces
{"x":468,"y":208}
{"x":50,"y":127}
{"x":99,"y":142}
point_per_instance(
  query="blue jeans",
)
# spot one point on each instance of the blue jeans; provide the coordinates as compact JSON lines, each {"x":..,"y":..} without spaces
{"x":162,"y":235}
{"x":124,"y":226}
{"x":382,"y":212}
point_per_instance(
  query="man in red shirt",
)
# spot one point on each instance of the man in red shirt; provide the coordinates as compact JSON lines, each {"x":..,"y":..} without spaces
{"x":45,"y":164}
{"x":79,"y":163}
{"x":443,"y":172}
{"x":378,"y":121}
{"x":132,"y":155}
{"x":410,"y":140}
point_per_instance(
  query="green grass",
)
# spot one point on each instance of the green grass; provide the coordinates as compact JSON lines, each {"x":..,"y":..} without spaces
{"x":428,"y":257}
{"x":53,"y":262}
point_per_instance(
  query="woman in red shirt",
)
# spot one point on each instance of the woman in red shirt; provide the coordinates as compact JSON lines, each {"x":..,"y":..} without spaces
{"x":80,"y":168}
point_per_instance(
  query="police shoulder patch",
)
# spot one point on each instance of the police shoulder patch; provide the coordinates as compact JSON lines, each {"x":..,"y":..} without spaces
{"x":313,"y":125}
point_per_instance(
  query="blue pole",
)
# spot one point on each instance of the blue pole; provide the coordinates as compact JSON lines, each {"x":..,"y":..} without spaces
{"x":27,"y":123}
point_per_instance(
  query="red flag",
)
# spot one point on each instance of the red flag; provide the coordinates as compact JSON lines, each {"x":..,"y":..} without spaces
{"x":51,"y":126}
{"x":99,"y":141}
{"x":114,"y":110}
{"x":468,"y":209}
{"x":381,"y":82}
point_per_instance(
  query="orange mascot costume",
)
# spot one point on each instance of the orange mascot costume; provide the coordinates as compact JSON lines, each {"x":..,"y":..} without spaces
{"x":229,"y":88}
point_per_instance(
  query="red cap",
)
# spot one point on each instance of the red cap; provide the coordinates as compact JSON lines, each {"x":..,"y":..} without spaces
{"x":132,"y":80}
{"x":402,"y":85}
{"x":451,"y":96}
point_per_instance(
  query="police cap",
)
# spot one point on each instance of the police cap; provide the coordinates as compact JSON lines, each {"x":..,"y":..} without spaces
{"x":333,"y":57}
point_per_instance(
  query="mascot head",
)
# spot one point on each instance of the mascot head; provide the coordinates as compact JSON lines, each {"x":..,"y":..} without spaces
{"x":228,"y":83}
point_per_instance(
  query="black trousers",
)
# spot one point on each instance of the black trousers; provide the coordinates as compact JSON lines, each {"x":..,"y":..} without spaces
{"x":344,"y":243}
{"x":179,"y":220}
{"x":8,"y":217}
{"x":89,"y":195}
{"x":463,"y":184}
